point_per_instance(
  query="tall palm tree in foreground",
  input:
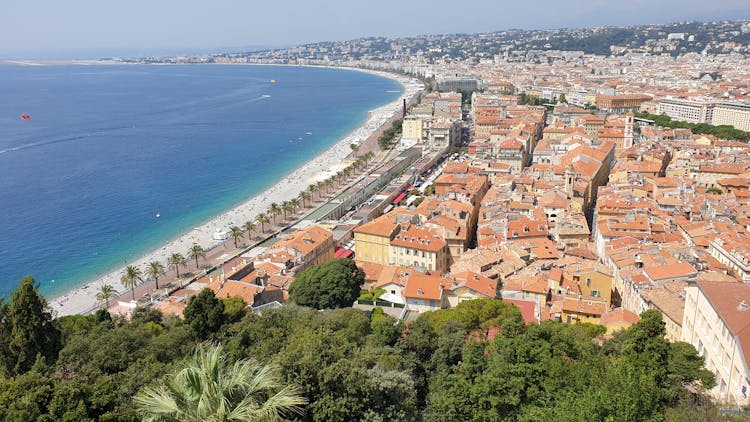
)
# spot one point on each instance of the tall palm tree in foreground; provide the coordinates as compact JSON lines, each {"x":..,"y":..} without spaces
{"x":197,"y":252}
{"x":210,"y":389}
{"x":130,"y":277}
{"x":105,"y":293}
{"x":263,"y":220}
{"x":236,"y":233}
{"x":155,"y":269}
{"x":175,"y":260}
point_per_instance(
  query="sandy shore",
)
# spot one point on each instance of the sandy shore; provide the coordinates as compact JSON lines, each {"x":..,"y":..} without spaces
{"x":83,"y":298}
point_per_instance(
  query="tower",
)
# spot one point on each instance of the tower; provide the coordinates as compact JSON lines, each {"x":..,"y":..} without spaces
{"x":569,"y":179}
{"x":627,"y":141}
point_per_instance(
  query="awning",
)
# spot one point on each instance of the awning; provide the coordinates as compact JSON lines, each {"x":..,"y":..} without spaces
{"x":399,"y":198}
{"x":343,"y":253}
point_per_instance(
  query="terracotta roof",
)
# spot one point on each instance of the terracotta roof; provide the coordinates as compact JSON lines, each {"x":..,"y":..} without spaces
{"x":619,"y":316}
{"x":527,"y":308}
{"x":417,"y":238}
{"x":682,"y":269}
{"x":669,"y":303}
{"x":426,"y":287}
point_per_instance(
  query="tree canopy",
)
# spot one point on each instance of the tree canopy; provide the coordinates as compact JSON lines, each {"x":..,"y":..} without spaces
{"x":330,"y":285}
{"x":477,"y":362}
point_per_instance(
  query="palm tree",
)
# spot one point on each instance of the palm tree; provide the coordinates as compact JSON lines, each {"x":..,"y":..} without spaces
{"x":294,"y":203}
{"x":197,"y":252}
{"x":208,"y":388}
{"x":313,"y":189}
{"x":105,"y":293}
{"x":305,"y":196}
{"x":249,"y":227}
{"x":175,"y":261}
{"x":236,"y":232}
{"x":321,"y":185}
{"x":286,"y":207}
{"x":155,"y":269}
{"x":263,"y":220}
{"x":274,"y":211}
{"x":130,"y":277}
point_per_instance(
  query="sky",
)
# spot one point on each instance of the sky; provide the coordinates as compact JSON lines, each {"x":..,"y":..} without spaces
{"x":103,"y":28}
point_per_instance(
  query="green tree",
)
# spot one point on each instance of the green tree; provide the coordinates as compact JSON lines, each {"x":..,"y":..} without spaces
{"x":330,"y":285}
{"x":249,"y":227}
{"x":155,"y":269}
{"x":204,"y":314}
{"x":234,"y":308}
{"x":263,"y":220}
{"x":197,"y":252}
{"x":236,"y":232}
{"x":208,"y":388}
{"x":130,"y":278}
{"x":274,"y":210}
{"x":105,"y":293}
{"x":27,"y":329}
{"x":175,"y":260}
{"x":305,"y":196}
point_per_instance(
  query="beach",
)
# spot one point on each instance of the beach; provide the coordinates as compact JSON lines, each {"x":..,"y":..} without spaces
{"x":83,"y":298}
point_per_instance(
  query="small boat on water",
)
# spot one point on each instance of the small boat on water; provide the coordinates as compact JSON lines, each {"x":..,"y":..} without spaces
{"x":158,"y":215}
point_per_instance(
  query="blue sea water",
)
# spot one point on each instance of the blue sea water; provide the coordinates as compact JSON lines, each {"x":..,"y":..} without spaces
{"x":109,"y":147}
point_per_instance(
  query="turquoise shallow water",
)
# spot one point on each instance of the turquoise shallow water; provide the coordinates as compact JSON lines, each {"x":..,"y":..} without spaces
{"x":108,"y":147}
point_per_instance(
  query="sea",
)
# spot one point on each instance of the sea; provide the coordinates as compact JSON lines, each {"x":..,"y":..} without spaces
{"x":106,"y":148}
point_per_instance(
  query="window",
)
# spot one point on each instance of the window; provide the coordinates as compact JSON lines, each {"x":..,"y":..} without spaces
{"x":595,"y":293}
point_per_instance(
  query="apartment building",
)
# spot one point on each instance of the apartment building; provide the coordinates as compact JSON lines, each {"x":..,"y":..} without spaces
{"x":687,"y":110}
{"x":717,"y":322}
{"x":733,"y":114}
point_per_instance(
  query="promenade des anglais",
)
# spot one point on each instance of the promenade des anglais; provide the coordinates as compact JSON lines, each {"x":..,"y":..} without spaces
{"x":530,"y":225}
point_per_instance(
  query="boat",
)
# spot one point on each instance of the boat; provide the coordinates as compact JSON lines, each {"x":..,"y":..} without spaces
{"x":158,"y":215}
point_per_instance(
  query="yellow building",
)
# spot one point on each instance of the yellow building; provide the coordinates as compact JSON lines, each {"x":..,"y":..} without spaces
{"x":578,"y":310}
{"x":413,"y":128}
{"x":420,"y":248}
{"x":593,"y":282}
{"x":372,"y":241}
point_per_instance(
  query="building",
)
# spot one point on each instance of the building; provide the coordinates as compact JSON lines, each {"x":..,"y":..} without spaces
{"x":733,"y":114}
{"x":687,"y":110}
{"x":734,"y":252}
{"x":310,"y":246}
{"x":620,"y":103}
{"x":421,"y":249}
{"x":717,"y":322}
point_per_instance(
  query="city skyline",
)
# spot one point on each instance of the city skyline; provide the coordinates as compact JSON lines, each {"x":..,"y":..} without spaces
{"x":87,"y":29}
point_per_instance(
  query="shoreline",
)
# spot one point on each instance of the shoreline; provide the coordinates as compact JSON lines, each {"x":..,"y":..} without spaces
{"x":82,"y":297}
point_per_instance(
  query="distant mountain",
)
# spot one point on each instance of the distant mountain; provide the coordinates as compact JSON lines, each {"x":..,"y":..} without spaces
{"x":674,"y":39}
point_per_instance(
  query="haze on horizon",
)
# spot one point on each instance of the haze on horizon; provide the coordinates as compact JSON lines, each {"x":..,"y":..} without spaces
{"x":95,"y":28}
